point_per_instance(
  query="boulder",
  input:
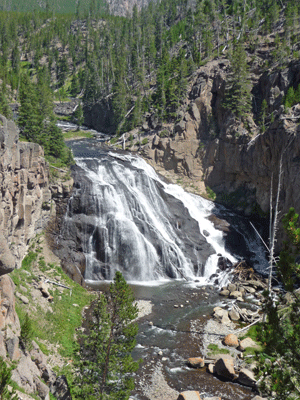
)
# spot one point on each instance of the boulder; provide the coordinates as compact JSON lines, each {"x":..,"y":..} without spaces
{"x":225,"y":368}
{"x":224,"y":292}
{"x":235,"y":295}
{"x":196,"y":362}
{"x":222,"y":315}
{"x":189,"y":395}
{"x":231,"y":340}
{"x":246,"y":378}
{"x":259,"y":398}
{"x":234,"y":315}
{"x":247,"y":342}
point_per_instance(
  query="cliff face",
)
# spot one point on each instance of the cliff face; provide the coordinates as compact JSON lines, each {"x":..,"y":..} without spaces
{"x":210,"y":148}
{"x":24,"y":195}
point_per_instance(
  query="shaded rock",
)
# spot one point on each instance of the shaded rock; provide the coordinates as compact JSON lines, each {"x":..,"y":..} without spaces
{"x":231,"y":340}
{"x":225,"y":367}
{"x":196,"y":362}
{"x":246,"y":378}
{"x":60,"y":388}
{"x":189,"y":395}
{"x":224,"y":264}
{"x":12,"y":346}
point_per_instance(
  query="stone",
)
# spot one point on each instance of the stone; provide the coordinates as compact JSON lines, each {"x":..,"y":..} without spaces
{"x":12,"y":346}
{"x":234,"y":315}
{"x":235,"y":295}
{"x":225,"y":367}
{"x":231,"y":287}
{"x":248,"y":342}
{"x":246,"y":378}
{"x":23,"y":298}
{"x":231,"y":340}
{"x":259,"y":398}
{"x":224,"y":292}
{"x":211,"y":368}
{"x":196,"y":362}
{"x":189,"y":395}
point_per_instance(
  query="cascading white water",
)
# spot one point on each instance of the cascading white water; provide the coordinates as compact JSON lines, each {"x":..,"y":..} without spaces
{"x":138,"y":233}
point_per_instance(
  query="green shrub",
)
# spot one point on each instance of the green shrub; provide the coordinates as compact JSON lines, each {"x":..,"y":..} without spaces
{"x":211,"y":194}
{"x":26,"y":332}
{"x":145,"y":141}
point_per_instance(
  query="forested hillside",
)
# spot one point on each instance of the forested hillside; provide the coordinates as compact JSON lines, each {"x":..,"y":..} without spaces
{"x":143,"y":63}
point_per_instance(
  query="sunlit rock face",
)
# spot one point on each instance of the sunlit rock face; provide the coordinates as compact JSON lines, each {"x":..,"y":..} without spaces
{"x":24,"y":194}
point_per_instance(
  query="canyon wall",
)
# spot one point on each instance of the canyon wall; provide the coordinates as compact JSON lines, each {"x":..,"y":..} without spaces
{"x":25,"y":197}
{"x":208,"y":147}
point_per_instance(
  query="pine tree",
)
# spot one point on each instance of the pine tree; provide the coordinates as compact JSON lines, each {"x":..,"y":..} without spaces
{"x":238,"y":88}
{"x":104,"y":361}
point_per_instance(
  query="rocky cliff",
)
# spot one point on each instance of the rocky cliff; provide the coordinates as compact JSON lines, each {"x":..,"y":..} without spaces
{"x":24,"y":195}
{"x":208,"y":147}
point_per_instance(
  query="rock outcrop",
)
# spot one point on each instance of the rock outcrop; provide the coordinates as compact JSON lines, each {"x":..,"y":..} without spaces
{"x":24,"y":195}
{"x":210,"y":148}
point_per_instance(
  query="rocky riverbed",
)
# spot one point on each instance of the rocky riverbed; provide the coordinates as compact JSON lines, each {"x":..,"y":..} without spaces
{"x":184,"y":339}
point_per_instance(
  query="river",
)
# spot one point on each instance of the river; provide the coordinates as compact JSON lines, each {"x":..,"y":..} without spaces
{"x":168,"y":247}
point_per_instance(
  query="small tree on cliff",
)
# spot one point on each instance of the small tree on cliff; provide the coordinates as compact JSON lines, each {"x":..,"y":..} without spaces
{"x":104,"y":361}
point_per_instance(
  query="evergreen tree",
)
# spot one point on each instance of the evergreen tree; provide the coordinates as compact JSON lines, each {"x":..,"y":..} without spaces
{"x":104,"y":361}
{"x":279,"y":362}
{"x":238,"y":88}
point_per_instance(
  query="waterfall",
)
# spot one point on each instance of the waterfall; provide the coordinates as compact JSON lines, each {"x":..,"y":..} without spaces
{"x":127,"y":218}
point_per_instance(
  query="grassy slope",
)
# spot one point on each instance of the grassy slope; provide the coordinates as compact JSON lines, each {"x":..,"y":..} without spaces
{"x":54,"y":324}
